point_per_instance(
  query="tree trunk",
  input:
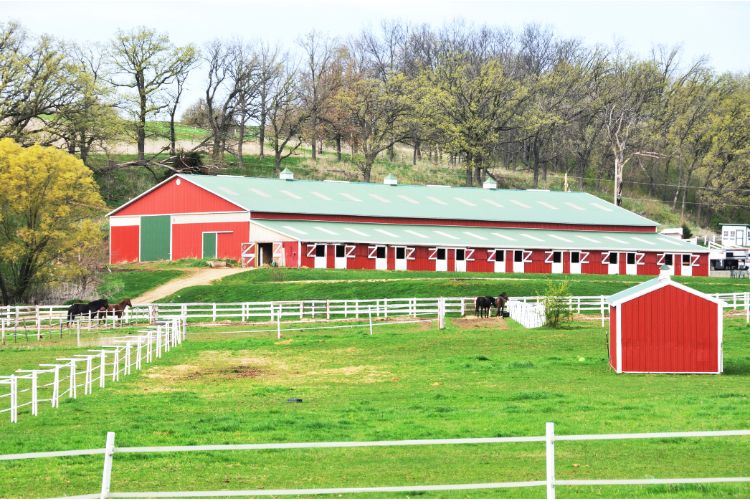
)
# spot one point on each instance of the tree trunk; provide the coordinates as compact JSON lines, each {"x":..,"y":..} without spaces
{"x":391,"y":152}
{"x":314,"y":135}
{"x":277,"y":161}
{"x":617,"y":189}
{"x":240,"y":160}
{"x":415,"y":153}
{"x":469,"y":164}
{"x":338,"y":147}
{"x":141,"y":129}
{"x":172,"y":134}
{"x":262,"y":132}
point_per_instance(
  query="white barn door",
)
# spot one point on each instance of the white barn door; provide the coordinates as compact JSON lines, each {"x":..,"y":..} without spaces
{"x":403,"y":255}
{"x":555,"y":258}
{"x":440,"y":256}
{"x":497,"y":257}
{"x":460,"y":260}
{"x":380,"y":254}
{"x":612,"y":260}
{"x":318,"y":253}
{"x":520,"y":258}
{"x":339,"y":261}
{"x":576,"y":259}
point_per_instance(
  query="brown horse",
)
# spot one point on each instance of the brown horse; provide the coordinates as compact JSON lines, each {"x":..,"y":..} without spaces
{"x":115,"y":309}
{"x":500,"y":303}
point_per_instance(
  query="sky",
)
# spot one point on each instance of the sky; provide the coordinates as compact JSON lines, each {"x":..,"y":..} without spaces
{"x":715,"y":29}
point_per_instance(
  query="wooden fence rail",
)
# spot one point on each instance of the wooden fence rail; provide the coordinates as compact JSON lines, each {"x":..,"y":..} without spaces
{"x":550,"y":481}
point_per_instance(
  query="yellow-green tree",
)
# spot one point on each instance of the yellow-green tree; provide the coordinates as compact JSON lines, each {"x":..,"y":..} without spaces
{"x":49,"y":203}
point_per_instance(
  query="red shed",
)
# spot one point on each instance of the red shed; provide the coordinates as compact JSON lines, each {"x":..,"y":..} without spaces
{"x":661,"y":326}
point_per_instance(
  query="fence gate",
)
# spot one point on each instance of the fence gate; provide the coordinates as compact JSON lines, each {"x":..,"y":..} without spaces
{"x":248,"y":254}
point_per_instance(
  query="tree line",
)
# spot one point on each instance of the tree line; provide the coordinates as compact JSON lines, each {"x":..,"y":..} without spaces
{"x":480,"y":99}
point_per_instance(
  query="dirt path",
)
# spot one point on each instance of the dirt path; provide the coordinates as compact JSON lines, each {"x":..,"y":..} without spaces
{"x":193,"y":277}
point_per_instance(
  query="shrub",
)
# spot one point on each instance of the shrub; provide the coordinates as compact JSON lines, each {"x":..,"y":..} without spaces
{"x":557,"y":310}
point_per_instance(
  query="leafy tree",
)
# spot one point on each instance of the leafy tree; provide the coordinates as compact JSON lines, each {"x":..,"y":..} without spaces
{"x":557,"y":309}
{"x":147,"y":62}
{"x":49,"y":202}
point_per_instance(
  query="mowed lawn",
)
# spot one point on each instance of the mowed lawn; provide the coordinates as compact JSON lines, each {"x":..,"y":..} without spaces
{"x":405,"y":381}
{"x":294,"y":284}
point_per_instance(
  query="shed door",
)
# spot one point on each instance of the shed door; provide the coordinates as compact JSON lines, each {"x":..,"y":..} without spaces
{"x":209,"y":245}
{"x":156,"y":237}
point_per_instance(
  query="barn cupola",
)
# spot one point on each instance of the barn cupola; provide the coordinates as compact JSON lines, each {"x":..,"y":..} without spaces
{"x":489,"y":183}
{"x":390,"y":180}
{"x":286,"y":175}
{"x":664,"y":272}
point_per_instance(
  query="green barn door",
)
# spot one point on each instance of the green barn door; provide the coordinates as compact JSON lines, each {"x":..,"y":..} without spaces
{"x":209,"y":245}
{"x":155,"y":237}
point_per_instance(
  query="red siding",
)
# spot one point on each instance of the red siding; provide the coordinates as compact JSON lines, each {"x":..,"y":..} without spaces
{"x":187,"y":239}
{"x":537,"y":264}
{"x":702,"y":268}
{"x":124,"y":244}
{"x":450,"y":222}
{"x":290,"y":253}
{"x":594,"y":265}
{"x":421,"y":260}
{"x":480,"y":264}
{"x":649,"y":267}
{"x":187,"y":198}
{"x":669,"y":330}
{"x":613,"y":337}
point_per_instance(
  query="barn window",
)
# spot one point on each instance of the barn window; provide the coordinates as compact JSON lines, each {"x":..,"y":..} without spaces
{"x":441,"y":254}
{"x":340,"y":251}
{"x":460,"y":254}
{"x":400,"y":253}
{"x":380,"y":252}
{"x":499,"y":255}
{"x":518,"y":256}
{"x":631,"y":258}
{"x":668,"y":259}
{"x":556,"y":257}
{"x":613,"y":257}
{"x":320,"y":250}
{"x":575,"y":257}
{"x":686,"y":259}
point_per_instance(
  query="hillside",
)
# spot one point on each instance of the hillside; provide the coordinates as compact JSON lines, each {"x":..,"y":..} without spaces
{"x":119,"y":185}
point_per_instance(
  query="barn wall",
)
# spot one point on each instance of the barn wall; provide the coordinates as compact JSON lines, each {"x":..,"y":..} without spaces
{"x":449,"y":222}
{"x":649,"y":267}
{"x":594,"y":265}
{"x":537,"y":264}
{"x":124,"y":244}
{"x":669,"y":330}
{"x":480,"y":264}
{"x":702,"y":268}
{"x":421,"y":260}
{"x":186,"y":198}
{"x":187,"y":239}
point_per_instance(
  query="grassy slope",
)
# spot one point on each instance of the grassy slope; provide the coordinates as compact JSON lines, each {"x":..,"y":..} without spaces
{"x":292,"y":284}
{"x":135,"y":282}
{"x":403,"y":382}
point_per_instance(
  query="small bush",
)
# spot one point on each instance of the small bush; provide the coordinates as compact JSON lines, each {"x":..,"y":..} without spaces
{"x":557,"y":310}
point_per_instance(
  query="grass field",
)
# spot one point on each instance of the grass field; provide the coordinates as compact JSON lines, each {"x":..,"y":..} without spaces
{"x":406,"y":381}
{"x":126,"y":284}
{"x":293,"y":284}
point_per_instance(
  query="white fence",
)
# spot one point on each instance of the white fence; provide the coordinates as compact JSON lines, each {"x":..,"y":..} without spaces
{"x":46,"y":384}
{"x":528,"y":314}
{"x":550,"y":482}
{"x":40,"y":319}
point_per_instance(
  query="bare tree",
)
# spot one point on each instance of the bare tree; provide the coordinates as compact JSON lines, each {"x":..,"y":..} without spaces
{"x":316,"y":85}
{"x":246,"y":73}
{"x":174,"y":94}
{"x":285,"y":115}
{"x":269,"y":69}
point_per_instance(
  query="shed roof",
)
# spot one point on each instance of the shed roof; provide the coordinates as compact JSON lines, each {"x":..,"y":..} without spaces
{"x":655,"y":284}
{"x":475,"y":237}
{"x":426,"y":202}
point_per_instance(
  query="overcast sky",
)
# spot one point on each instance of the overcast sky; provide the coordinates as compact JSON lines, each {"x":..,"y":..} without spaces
{"x":718,"y":30}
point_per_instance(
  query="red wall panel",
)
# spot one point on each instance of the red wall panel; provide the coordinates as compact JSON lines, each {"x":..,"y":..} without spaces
{"x":186,"y":198}
{"x":480,"y":264}
{"x":187,"y":239}
{"x":421,"y":260}
{"x":649,"y":267}
{"x":594,"y":265}
{"x":702,"y":268}
{"x":537,"y":264}
{"x":290,"y":253}
{"x":449,"y":222}
{"x":331,"y":256}
{"x":124,"y":244}
{"x":669,"y":330}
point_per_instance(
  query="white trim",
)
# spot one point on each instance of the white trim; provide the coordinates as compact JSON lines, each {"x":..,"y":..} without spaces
{"x":661,"y":283}
{"x":583,"y":257}
{"x":211,"y":217}
{"x":469,"y":254}
{"x":253,"y":222}
{"x":410,"y":251}
{"x":720,"y":337}
{"x":129,"y":220}
{"x":618,"y":338}
{"x":311,"y":250}
{"x":349,"y":251}
{"x":527,"y":256}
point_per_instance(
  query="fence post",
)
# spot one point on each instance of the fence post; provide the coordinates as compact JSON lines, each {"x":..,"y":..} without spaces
{"x":102,"y":368}
{"x":78,"y":333}
{"x":34,"y":394}
{"x":441,"y":313}
{"x":213,"y":312}
{"x":56,"y":387}
{"x":550,"y":447}
{"x":328,"y":309}
{"x":72,"y":389}
{"x":278,"y":324}
{"x":13,"y":399}
{"x":87,"y":381}
{"x":109,"y":452}
{"x":601,"y":308}
{"x":369,"y":315}
{"x":463,"y":308}
{"x":747,"y":307}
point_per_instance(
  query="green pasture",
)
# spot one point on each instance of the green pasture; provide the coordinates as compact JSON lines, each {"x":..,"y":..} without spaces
{"x":296,"y":284}
{"x":474,"y":379}
{"x":122,"y":284}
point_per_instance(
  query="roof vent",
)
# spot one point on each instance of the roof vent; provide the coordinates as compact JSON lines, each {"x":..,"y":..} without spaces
{"x":286,"y":175}
{"x":489,"y":183}
{"x":390,"y":180}
{"x":664,"y":272}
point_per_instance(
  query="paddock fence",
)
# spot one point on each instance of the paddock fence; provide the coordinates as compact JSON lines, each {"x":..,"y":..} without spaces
{"x":31,"y":390}
{"x":549,"y":480}
{"x":18,"y":321}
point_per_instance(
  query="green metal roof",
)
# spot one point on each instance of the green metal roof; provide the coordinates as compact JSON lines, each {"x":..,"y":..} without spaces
{"x":475,"y":237}
{"x":634,"y":290}
{"x":424,"y":202}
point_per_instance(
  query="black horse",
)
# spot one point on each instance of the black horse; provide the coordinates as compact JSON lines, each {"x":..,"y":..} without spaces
{"x":483,"y":305}
{"x":502,"y":299}
{"x":86,"y":309}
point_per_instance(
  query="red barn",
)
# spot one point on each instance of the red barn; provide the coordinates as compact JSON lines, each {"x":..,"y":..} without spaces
{"x":661,"y":326}
{"x":353,"y":225}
